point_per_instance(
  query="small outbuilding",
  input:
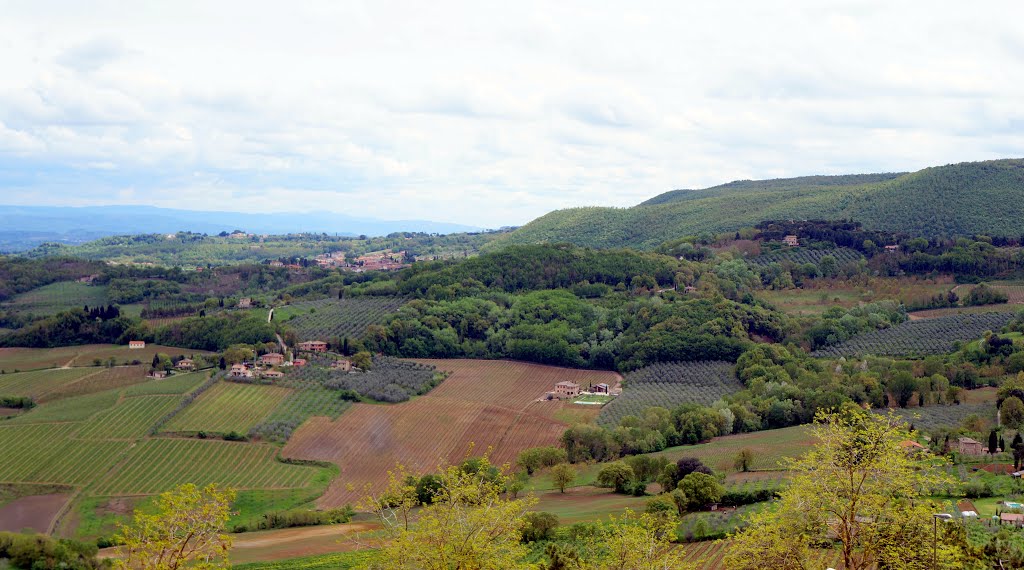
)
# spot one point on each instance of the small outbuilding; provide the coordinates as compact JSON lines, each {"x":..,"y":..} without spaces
{"x":136,"y":344}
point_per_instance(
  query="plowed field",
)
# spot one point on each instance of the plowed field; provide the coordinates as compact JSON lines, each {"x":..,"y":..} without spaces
{"x":484,"y":403}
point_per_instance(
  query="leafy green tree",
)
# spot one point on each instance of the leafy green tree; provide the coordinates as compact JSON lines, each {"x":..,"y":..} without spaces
{"x":701,"y":490}
{"x":186,"y":530}
{"x":1011,"y":412}
{"x":859,"y":486}
{"x":616,"y":474}
{"x":744,"y":459}
{"x":563,"y":475}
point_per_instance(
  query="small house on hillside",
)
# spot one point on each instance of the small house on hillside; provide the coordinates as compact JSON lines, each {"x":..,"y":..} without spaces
{"x":158,"y":374}
{"x":313,"y":346}
{"x":245,"y":303}
{"x":599,"y":388}
{"x":136,"y":344}
{"x":892,"y":248}
{"x":185,"y":364}
{"x":968,"y":446}
{"x":911,"y":447}
{"x":566,"y":389}
{"x":791,"y":241}
{"x":239,"y":371}
{"x":272,"y":358}
{"x":1015,"y":519}
{"x":344,"y":365}
{"x":299,"y":362}
{"x":271,"y":374}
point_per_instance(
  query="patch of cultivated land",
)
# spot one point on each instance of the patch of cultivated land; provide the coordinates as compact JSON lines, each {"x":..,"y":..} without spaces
{"x":818,"y":296}
{"x":35,"y":512}
{"x":919,"y":338}
{"x":56,"y":297}
{"x":489,"y":404}
{"x":227,"y":407}
{"x":669,"y":384}
{"x":770,"y":447}
{"x":32,"y":358}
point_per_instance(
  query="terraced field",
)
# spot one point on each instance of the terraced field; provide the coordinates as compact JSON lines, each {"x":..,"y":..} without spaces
{"x":227,"y":407}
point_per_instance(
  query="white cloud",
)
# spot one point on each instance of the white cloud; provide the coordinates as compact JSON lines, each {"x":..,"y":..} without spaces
{"x":489,"y":114}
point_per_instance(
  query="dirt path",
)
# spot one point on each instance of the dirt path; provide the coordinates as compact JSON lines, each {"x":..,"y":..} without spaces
{"x":268,"y":545}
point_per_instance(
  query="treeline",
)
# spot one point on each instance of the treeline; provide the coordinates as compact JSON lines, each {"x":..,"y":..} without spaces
{"x":75,"y":327}
{"x":19,"y":274}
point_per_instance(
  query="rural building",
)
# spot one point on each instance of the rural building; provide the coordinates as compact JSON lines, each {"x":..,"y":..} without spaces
{"x":186,"y":364}
{"x":276,"y":263}
{"x":313,"y":346}
{"x":566,"y":389}
{"x":245,"y":303}
{"x":158,"y":374}
{"x":271,"y":374}
{"x":136,"y":344}
{"x":272,"y":358}
{"x":912,"y":447}
{"x":299,"y":362}
{"x":1015,"y":519}
{"x":239,"y":371}
{"x":968,"y":446}
{"x":892,"y":248}
{"x":345,"y":365}
{"x":791,"y":240}
{"x":689,"y":289}
{"x":599,"y":388}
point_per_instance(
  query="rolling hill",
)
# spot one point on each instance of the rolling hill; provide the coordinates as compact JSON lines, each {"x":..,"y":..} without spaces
{"x":956,"y":199}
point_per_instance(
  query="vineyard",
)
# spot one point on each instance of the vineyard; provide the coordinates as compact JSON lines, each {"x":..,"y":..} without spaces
{"x":328,"y":318}
{"x":129,"y":419}
{"x":228,"y":407}
{"x":920,"y":337}
{"x":40,"y":383}
{"x":771,"y":448}
{"x":487,"y":404}
{"x":46,"y":453}
{"x":389,"y":380}
{"x":156,"y":465}
{"x":669,"y":385}
{"x":802,"y":255}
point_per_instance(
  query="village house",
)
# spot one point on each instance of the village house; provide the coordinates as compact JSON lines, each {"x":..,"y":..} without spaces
{"x":566,"y":389}
{"x":791,"y":241}
{"x":313,"y":346}
{"x":186,"y":364}
{"x":299,"y":362}
{"x":158,"y":374}
{"x":136,"y":344}
{"x":1015,"y":519}
{"x":968,"y":446}
{"x":344,"y":365}
{"x":599,"y":388}
{"x":239,"y":371}
{"x":245,"y":303}
{"x":889,"y":248}
{"x":272,"y":359}
{"x":912,"y":447}
{"x":271,"y":374}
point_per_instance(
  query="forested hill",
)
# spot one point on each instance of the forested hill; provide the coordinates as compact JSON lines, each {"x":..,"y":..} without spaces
{"x":960,"y":199}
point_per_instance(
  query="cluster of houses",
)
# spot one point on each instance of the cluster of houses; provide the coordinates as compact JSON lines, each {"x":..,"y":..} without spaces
{"x":266,"y":366}
{"x":386,"y":260}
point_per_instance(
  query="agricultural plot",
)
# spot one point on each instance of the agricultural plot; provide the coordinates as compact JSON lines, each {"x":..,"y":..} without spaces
{"x":157,"y":465}
{"x":46,"y":453}
{"x":177,"y":384}
{"x":38,"y":384}
{"x":228,"y":407}
{"x":950,"y":311}
{"x":83,"y":355}
{"x":770,"y":447}
{"x":129,"y":419}
{"x":487,"y":404}
{"x":919,"y":338}
{"x":803,"y":255}
{"x":328,"y":318}
{"x":710,"y":555}
{"x":931,"y":417}
{"x":669,"y":385}
{"x":389,"y":380}
{"x":75,"y":409}
{"x":101,"y":380}
{"x":56,"y":297}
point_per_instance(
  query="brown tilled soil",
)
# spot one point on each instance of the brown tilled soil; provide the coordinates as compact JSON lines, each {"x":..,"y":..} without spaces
{"x":35,"y":512}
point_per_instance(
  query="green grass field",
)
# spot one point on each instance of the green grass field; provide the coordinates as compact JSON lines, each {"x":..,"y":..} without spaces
{"x":770,"y":448}
{"x":177,"y":384}
{"x":157,"y":465}
{"x":227,"y":407}
{"x":593,"y":399}
{"x":131,"y":418}
{"x":56,"y":297}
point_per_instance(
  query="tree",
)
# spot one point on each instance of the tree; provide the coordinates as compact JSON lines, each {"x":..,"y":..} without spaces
{"x":186,"y":530}
{"x":362,"y":360}
{"x":536,"y":458}
{"x":639,"y":542}
{"x":615,"y":474}
{"x":701,"y":490}
{"x":470,"y":524}
{"x":859,"y":486}
{"x":538,"y":526}
{"x":993,"y":441}
{"x":1011,"y":412}
{"x":744,"y":459}
{"x":563,"y":475}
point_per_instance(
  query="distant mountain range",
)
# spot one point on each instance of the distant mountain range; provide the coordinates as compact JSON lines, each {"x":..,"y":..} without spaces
{"x":959,"y":199}
{"x":25,"y":227}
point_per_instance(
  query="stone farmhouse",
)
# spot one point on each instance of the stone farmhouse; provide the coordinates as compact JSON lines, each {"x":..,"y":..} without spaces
{"x":313,"y":346}
{"x":567,"y":389}
{"x":968,"y":446}
{"x":272,"y":359}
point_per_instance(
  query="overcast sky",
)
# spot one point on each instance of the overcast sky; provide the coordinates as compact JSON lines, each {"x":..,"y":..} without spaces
{"x":489,"y":113}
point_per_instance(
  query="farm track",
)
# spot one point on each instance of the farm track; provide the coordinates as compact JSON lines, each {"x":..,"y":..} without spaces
{"x":489,"y":405}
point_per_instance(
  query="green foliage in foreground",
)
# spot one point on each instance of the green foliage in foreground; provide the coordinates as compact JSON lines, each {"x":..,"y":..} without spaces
{"x":942,"y":201}
{"x":336,"y":561}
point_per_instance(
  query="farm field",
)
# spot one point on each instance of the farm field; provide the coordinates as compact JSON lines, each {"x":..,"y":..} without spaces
{"x":950,"y":311}
{"x":83,"y":355}
{"x":802,"y":255}
{"x":227,"y":407}
{"x":813,"y":300}
{"x":38,"y":384}
{"x":770,"y":447}
{"x":919,"y":338}
{"x":489,"y":404}
{"x":47,"y":453}
{"x":128,"y":419}
{"x":669,"y":385}
{"x":35,"y":512}
{"x":328,"y":318}
{"x":160,"y":464}
{"x":56,"y":297}
{"x":708,"y":555}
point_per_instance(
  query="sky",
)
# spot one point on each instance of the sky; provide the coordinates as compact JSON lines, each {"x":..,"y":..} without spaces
{"x":488,"y":113}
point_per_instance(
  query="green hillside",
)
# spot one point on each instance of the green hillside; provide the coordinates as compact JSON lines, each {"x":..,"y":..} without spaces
{"x":947,"y":200}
